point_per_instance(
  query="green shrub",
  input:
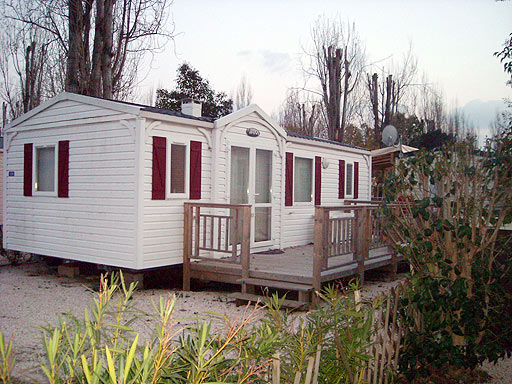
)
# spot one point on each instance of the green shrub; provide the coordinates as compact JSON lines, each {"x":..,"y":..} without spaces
{"x":7,"y":360}
{"x":456,"y":201}
{"x":104,"y":348}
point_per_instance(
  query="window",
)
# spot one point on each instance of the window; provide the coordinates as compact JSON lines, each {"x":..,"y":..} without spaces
{"x":45,"y":169}
{"x":303,"y":180}
{"x":349,"y":180}
{"x":178,"y":168}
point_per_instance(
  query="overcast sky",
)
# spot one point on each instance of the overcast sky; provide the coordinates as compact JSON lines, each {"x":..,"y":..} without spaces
{"x":453,"y":41}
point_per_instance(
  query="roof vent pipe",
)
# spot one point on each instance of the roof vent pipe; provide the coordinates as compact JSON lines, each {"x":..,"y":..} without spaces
{"x":191,"y":107}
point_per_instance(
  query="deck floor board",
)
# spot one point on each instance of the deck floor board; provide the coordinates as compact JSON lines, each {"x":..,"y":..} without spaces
{"x":294,"y":265}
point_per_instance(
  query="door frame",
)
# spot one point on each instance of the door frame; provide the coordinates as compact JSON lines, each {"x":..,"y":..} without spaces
{"x":252,"y":179}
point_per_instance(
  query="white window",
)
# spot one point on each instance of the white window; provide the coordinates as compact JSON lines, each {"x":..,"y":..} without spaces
{"x":349,"y":180}
{"x":178,"y":170}
{"x":303,"y":180}
{"x":45,"y":169}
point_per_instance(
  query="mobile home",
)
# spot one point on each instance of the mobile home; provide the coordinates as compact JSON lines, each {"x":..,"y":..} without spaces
{"x":105,"y":182}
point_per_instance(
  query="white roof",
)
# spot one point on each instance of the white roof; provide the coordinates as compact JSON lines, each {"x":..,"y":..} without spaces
{"x":394,"y":148}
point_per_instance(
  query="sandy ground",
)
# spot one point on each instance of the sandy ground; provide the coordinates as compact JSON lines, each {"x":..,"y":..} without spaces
{"x":32,"y":296}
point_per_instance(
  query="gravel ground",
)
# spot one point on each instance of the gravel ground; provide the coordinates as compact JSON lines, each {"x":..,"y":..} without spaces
{"x":32,"y":295}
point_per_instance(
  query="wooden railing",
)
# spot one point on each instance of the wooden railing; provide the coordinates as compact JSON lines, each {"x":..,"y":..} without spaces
{"x":213,"y":230}
{"x":346,"y":230}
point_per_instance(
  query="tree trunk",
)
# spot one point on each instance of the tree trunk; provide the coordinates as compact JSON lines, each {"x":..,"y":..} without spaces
{"x":106,"y":57}
{"x":333,"y":62}
{"x":95,"y":82}
{"x":387,"y":108}
{"x":75,"y":35}
{"x":373,"y":87}
{"x":85,"y":60}
{"x":345,"y":97}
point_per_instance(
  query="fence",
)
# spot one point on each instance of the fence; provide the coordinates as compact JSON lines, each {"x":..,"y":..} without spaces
{"x":343,"y":230}
{"x":212,"y":229}
{"x":384,"y":351}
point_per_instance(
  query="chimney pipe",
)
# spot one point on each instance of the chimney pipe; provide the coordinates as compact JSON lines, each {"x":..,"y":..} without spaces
{"x":191,"y":107}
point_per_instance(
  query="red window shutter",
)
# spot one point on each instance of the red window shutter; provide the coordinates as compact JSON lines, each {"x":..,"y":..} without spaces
{"x":27,"y":169}
{"x":341,"y":180}
{"x":288,"y":187}
{"x":63,"y":169}
{"x":318,"y":180}
{"x":159,"y":159}
{"x":356,"y":180}
{"x":195,"y":170}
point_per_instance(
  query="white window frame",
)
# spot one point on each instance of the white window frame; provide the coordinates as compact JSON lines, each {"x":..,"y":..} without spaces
{"x":304,"y":203}
{"x":35,"y":192}
{"x":168,"y":193}
{"x":347,"y":195}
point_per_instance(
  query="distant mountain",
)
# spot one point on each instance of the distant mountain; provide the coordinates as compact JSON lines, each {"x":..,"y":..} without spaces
{"x":482,"y":114}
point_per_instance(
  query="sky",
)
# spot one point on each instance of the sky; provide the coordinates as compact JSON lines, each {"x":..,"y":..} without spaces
{"x":453,"y":41}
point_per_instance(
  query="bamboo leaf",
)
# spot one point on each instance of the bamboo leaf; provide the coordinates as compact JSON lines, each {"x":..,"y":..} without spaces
{"x":110,"y":365}
{"x":130,"y":357}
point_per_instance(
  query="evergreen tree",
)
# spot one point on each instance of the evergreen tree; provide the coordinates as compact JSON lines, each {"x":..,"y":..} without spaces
{"x":190,"y":84}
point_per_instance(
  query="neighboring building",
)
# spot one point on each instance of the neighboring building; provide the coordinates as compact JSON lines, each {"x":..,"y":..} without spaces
{"x":383,"y":160}
{"x":105,"y":181}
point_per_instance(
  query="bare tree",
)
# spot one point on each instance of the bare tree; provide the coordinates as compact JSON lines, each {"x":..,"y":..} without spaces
{"x":301,"y":113}
{"x":243,"y":94}
{"x":123,"y":32}
{"x":386,"y":96}
{"x":27,"y":67}
{"x":336,"y":61}
{"x":432,"y":106}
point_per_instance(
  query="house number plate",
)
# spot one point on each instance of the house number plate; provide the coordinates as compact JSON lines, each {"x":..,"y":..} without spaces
{"x":252,"y":132}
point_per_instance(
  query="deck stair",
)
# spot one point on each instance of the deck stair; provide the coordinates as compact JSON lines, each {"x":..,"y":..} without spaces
{"x":242,"y":298}
{"x":303,"y":290}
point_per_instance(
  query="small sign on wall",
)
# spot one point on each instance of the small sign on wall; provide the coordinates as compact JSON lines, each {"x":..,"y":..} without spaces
{"x":252,"y":132}
{"x":11,"y":173}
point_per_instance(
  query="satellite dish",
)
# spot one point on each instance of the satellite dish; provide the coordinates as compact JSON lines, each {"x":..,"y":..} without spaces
{"x":389,"y":135}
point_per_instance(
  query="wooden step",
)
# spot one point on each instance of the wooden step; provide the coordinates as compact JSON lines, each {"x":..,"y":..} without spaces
{"x":242,"y":298}
{"x":276,"y":284}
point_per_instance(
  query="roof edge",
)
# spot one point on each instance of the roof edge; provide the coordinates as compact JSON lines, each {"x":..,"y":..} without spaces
{"x":105,"y":103}
{"x":304,"y":139}
{"x":241,"y":113}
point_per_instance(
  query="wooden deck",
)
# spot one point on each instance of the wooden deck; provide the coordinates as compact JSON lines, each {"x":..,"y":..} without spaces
{"x":348,"y":240}
{"x":295,"y":265}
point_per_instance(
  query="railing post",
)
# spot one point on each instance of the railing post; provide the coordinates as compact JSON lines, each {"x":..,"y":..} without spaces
{"x":327,"y":239}
{"x":362,"y":238}
{"x":245,"y":257}
{"x":197,"y":230}
{"x":236,"y":233}
{"x":318,"y":251}
{"x":187,"y":245}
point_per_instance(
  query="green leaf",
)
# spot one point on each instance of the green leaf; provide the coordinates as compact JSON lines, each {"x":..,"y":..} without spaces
{"x":110,"y":365}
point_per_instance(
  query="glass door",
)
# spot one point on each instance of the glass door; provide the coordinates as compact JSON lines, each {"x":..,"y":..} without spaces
{"x":263,"y":196}
{"x":239,"y":185}
{"x":252,"y":184}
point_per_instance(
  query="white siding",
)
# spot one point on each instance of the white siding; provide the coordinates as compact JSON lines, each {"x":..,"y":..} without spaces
{"x":269,"y":140}
{"x":97,"y":222}
{"x":298,"y":220}
{"x":163,"y":219}
{"x":1,"y":187}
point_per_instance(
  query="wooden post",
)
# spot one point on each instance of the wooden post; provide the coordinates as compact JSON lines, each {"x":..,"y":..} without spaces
{"x":361,"y":241}
{"x":245,"y":256}
{"x":276,"y":369}
{"x":394,"y":264}
{"x":235,"y":236}
{"x":187,"y":245}
{"x":326,"y":239}
{"x":318,"y":252}
{"x":197,"y":230}
{"x":368,"y":231}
